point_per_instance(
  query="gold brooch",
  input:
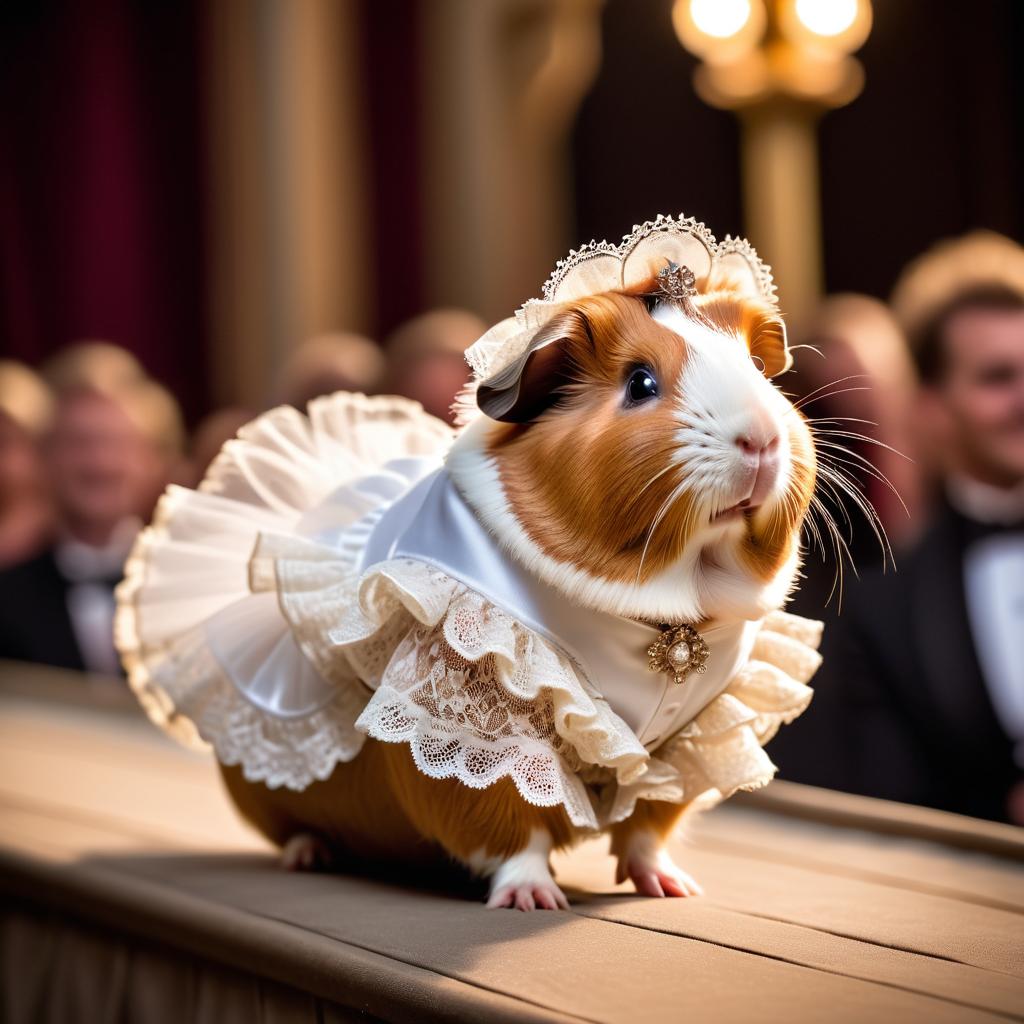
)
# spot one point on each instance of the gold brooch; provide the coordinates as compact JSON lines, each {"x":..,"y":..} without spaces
{"x":679,"y":650}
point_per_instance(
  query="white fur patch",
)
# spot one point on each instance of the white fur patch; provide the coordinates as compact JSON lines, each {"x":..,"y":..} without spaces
{"x":528,"y":867}
{"x":720,"y":397}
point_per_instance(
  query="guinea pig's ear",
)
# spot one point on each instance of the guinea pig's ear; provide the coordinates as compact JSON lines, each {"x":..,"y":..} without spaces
{"x":768,"y":345}
{"x":757,"y":322}
{"x":529,"y":385}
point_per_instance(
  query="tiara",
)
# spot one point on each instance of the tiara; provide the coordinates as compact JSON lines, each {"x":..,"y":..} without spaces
{"x":649,"y":251}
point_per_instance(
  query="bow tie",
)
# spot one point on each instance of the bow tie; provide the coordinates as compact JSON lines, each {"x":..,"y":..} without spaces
{"x":79,"y":563}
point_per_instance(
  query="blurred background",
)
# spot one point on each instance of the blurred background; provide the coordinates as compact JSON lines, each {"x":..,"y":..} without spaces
{"x":210,"y":208}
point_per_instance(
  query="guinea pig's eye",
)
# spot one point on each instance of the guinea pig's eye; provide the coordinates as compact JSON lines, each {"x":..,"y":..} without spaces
{"x":641,"y":385}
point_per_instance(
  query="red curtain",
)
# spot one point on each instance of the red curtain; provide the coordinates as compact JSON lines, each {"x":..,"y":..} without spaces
{"x":101,"y":217}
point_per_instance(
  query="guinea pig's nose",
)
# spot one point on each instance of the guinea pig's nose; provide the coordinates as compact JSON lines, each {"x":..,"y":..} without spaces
{"x":757,"y":446}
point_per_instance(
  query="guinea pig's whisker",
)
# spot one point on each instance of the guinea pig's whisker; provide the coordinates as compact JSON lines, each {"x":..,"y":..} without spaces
{"x":854,"y":436}
{"x":839,"y":546}
{"x":819,"y":518}
{"x":857,"y":461}
{"x":833,"y":456}
{"x":833,"y":452}
{"x":815,"y":534}
{"x":839,"y":419}
{"x":831,"y":384}
{"x":813,"y":348}
{"x":657,"y":476}
{"x":830,"y":491}
{"x":674,"y":494}
{"x":831,"y":394}
{"x":834,"y":475}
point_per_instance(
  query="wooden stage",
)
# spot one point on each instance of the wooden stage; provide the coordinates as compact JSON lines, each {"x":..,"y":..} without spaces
{"x":132,"y":893}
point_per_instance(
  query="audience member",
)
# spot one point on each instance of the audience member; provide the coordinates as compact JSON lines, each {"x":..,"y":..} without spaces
{"x":26,"y":511}
{"x":425,"y":358}
{"x":925,"y":678}
{"x":97,"y":365}
{"x":341,"y":361}
{"x":109,"y":453}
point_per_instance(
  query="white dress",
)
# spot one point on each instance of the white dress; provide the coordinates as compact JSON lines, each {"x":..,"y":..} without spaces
{"x":271,"y":615}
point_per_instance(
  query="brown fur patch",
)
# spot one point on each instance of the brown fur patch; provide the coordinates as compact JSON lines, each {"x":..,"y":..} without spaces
{"x":755,"y":321}
{"x":381,"y":807}
{"x":655,"y":816}
{"x":595,"y":506}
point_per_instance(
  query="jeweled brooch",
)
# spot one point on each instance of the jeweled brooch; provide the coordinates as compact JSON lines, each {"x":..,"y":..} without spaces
{"x":676,"y":283}
{"x":679,"y":650}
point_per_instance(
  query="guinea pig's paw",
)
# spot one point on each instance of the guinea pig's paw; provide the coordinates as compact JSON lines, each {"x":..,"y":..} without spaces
{"x":305,"y":852}
{"x":655,"y":873}
{"x":529,"y":896}
{"x":524,"y":882}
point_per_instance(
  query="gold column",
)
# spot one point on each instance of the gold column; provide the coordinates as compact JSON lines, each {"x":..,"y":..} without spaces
{"x":502,"y":80}
{"x":781,"y":200}
{"x":287,"y":231}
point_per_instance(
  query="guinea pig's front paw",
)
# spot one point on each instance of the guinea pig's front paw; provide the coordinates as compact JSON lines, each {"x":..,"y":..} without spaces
{"x":655,"y":873}
{"x":524,"y":882}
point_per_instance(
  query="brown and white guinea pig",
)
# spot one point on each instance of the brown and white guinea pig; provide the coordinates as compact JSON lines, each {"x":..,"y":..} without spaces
{"x":640,"y":461}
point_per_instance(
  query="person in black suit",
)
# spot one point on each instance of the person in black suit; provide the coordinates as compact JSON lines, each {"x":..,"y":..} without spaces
{"x":106,"y":463}
{"x":921,"y":694}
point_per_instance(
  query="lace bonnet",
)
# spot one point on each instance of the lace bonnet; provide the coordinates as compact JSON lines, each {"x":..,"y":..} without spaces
{"x":498,"y":358}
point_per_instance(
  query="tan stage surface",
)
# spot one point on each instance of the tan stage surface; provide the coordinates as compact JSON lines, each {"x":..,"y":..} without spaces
{"x":131,"y":892}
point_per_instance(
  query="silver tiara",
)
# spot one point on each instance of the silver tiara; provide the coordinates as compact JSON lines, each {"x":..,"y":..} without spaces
{"x":649,"y":251}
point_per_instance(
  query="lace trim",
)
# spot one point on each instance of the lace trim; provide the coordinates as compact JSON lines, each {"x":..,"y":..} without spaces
{"x":460,"y":724}
{"x":185,"y":691}
{"x":479,"y":697}
{"x":193,"y":564}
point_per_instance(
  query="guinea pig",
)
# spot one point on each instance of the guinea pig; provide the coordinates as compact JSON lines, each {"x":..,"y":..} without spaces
{"x":481,"y":647}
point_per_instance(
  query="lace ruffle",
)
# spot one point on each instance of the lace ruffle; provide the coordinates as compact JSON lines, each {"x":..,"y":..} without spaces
{"x":720,"y":751}
{"x":202,"y":633}
{"x":476,"y":695}
{"x":479,"y":697}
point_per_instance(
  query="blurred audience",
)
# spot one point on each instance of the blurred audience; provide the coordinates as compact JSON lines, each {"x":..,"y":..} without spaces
{"x":210,"y":435}
{"x":425,"y":358}
{"x":327,"y":363}
{"x":26,"y":510}
{"x":99,"y":365}
{"x":113,"y":444}
{"x":923,"y":688}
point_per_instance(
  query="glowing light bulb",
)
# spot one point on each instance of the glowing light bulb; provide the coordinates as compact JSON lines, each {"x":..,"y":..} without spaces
{"x":720,"y":18}
{"x":827,"y":17}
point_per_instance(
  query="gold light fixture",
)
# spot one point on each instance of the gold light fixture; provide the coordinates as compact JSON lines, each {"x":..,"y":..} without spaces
{"x":720,"y":31}
{"x":778,"y":64}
